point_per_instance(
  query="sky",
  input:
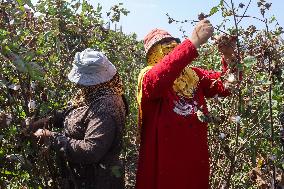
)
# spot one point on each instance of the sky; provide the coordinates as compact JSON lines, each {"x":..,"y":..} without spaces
{"x":148,"y":14}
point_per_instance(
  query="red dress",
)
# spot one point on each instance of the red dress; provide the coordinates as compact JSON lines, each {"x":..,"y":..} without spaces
{"x":174,"y":150}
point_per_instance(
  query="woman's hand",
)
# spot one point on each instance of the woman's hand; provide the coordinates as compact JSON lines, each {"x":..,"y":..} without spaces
{"x":38,"y":124}
{"x":201,"y":33}
{"x":226,"y":46}
{"x":43,"y":135}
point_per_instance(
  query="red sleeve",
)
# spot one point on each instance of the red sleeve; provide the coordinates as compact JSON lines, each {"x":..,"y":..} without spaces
{"x":161,"y":77}
{"x":210,"y":81}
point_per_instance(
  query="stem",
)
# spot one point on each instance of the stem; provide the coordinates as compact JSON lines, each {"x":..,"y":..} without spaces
{"x":246,"y":16}
{"x":231,"y":170}
{"x":270,"y":102}
{"x":227,"y":4}
{"x":221,"y":31}
{"x":24,"y":96}
{"x":244,"y":12}
{"x":233,"y":160}
{"x":215,"y":163}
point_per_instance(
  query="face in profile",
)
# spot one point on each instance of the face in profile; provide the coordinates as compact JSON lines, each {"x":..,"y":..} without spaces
{"x":159,"y":50}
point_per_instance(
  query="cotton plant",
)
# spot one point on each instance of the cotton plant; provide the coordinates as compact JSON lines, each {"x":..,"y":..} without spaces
{"x":248,"y":126}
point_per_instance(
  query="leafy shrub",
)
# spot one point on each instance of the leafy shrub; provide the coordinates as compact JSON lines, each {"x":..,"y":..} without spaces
{"x":37,"y":48}
{"x":38,"y":43}
{"x":244,"y":128}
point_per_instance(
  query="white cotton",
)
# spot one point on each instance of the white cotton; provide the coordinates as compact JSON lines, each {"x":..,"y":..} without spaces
{"x":28,"y":121}
{"x":272,"y":157}
{"x":236,"y":119}
{"x":222,"y":135}
{"x":231,"y":78}
{"x":14,"y":87}
{"x":33,"y":85}
{"x":8,"y":119}
{"x":28,"y":8}
{"x":32,"y":104}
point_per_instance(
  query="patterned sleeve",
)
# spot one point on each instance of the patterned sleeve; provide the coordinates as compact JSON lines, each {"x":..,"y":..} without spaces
{"x":98,"y":139}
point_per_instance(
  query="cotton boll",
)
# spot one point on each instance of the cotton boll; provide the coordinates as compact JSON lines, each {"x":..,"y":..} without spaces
{"x":199,"y":113}
{"x":250,"y":103}
{"x":231,"y":78}
{"x":38,"y":14}
{"x":102,"y":166}
{"x":8,"y":119}
{"x":39,"y":132}
{"x":32,"y":105}
{"x":272,"y":157}
{"x":14,"y":87}
{"x":33,"y":85}
{"x":28,"y":121}
{"x":222,"y":135}
{"x":28,"y":8}
{"x":236,"y":119}
{"x":201,"y":116}
{"x":227,"y":85}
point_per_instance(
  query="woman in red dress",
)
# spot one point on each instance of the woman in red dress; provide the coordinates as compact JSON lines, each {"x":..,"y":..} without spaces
{"x":173,"y":141}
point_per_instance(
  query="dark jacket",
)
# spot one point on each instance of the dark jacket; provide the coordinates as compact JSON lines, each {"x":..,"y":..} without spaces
{"x":92,"y":142}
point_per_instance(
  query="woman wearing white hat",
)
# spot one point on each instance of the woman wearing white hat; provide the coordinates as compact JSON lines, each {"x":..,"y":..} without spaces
{"x":93,"y":128}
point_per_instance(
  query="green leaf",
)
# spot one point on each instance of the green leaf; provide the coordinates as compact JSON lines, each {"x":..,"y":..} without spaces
{"x":47,"y":35}
{"x":99,"y":8}
{"x":27,"y":2}
{"x":3,"y":34}
{"x":249,"y":61}
{"x":214,"y":10}
{"x":84,"y":7}
{"x":116,"y":171}
{"x":2,"y":153}
{"x":19,"y":63}
{"x":20,"y":2}
{"x":6,"y":50}
{"x":240,"y":67}
{"x":35,"y":71}
{"x":272,"y":19}
{"x":3,"y":83}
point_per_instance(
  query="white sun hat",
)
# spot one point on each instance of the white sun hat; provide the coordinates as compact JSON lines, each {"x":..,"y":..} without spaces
{"x":91,"y":67}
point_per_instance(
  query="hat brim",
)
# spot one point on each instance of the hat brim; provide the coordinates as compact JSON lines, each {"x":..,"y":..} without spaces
{"x":90,"y":79}
{"x":157,"y":42}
